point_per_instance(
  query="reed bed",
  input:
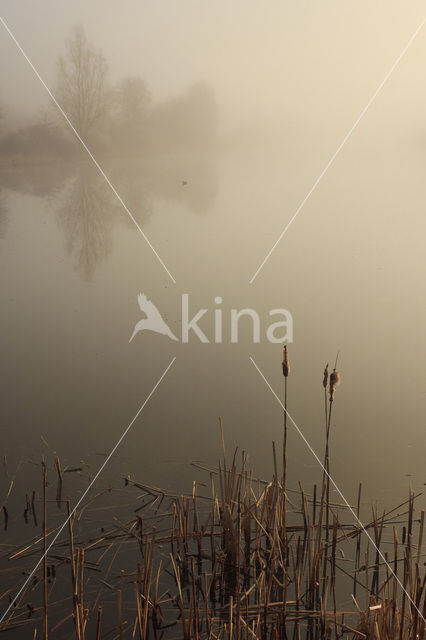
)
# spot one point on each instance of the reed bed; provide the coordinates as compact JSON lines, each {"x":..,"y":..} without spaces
{"x":247,"y":559}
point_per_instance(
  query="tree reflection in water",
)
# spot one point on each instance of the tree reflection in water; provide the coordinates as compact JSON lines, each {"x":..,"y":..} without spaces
{"x":87,"y":221}
{"x":87,"y":210}
{"x":91,"y":211}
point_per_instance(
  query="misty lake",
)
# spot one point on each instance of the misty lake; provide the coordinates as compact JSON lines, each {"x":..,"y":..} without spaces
{"x":183,"y":184}
{"x":73,"y":263}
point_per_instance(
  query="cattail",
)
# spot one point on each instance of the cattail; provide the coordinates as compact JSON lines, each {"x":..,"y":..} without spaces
{"x":325,"y":379}
{"x":286,"y":363}
{"x":334,"y":382}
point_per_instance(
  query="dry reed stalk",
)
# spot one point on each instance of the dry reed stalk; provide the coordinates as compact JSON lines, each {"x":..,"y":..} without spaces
{"x":45,"y":602}
{"x":120,"y":613}
{"x":138,"y":609}
{"x":334,"y":381}
{"x":206,"y":605}
{"x":58,"y":468}
{"x":196,"y":613}
{"x":73,"y":573}
{"x":80,"y":598}
{"x":180,"y":599}
{"x":358,"y":540}
{"x":98,"y":624}
{"x":420,"y":540}
{"x":33,"y":511}
{"x":286,"y":372}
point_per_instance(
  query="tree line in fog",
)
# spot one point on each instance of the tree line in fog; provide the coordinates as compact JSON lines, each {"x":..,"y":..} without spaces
{"x":114,"y":119}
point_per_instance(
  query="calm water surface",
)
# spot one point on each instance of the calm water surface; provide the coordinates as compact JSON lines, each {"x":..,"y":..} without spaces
{"x":351,"y":270}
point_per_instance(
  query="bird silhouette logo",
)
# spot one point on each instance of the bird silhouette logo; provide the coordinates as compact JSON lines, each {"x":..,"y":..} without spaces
{"x":153,"y":320}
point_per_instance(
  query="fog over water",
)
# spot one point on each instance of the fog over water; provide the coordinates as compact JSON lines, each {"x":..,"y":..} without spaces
{"x":211,"y":121}
{"x":246,"y":103}
{"x":297,"y":63}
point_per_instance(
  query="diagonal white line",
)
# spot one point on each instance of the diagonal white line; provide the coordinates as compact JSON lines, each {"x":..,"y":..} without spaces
{"x":86,"y":148}
{"x":339,"y":148}
{"x":299,"y":431}
{"x":113,"y":450}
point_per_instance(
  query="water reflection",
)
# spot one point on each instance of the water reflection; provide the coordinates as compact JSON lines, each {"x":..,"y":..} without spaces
{"x":42,"y":180}
{"x":87,"y":210}
{"x":86,"y":218}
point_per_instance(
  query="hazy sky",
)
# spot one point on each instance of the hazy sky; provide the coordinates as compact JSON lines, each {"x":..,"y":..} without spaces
{"x":318,"y":61}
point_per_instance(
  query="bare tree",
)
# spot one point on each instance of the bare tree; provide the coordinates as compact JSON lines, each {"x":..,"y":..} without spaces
{"x":81,"y":89}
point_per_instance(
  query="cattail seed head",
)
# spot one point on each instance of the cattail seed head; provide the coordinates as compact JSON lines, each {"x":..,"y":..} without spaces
{"x":325,"y":379}
{"x":335,"y":378}
{"x":286,"y":363}
{"x":334,"y":382}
